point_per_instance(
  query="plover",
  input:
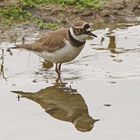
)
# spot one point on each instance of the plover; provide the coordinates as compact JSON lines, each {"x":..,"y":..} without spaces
{"x":62,"y":45}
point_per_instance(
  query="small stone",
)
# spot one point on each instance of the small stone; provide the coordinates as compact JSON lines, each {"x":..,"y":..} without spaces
{"x":107,"y":105}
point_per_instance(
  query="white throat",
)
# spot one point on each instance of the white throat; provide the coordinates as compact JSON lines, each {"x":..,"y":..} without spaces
{"x":80,"y":38}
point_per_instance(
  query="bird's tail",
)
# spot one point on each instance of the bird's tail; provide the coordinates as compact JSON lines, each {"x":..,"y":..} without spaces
{"x":23,"y":94}
{"x":22,"y":46}
{"x":15,"y":47}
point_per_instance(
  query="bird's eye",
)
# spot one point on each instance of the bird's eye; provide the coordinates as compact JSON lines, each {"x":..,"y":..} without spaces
{"x":80,"y":30}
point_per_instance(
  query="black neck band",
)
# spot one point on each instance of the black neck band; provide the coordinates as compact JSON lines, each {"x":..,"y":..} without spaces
{"x":74,"y":42}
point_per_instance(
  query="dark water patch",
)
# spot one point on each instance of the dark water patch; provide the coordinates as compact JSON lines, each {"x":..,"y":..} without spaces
{"x":112,"y":82}
{"x":107,"y":105}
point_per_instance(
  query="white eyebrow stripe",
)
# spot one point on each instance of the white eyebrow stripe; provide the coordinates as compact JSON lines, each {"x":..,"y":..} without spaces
{"x":89,"y":29}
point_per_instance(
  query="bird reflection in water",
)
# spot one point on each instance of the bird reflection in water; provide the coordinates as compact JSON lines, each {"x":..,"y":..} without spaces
{"x":64,"y":103}
{"x":112,"y":44}
{"x":2,"y":74}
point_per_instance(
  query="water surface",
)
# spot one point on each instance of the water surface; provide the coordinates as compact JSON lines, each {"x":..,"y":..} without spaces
{"x":100,"y":89}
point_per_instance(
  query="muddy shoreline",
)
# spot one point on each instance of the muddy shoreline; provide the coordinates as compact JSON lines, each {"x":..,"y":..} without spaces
{"x":112,"y":14}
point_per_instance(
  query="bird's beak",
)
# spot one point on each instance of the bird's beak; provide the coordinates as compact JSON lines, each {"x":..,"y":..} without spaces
{"x":89,"y":32}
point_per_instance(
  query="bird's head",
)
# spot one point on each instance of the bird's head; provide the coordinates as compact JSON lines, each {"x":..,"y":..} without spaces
{"x":81,"y":31}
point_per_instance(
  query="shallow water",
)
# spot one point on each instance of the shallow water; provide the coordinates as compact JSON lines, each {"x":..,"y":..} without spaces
{"x":101,"y":84}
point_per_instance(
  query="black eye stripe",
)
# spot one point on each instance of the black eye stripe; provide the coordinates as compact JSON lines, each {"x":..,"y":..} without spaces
{"x":81,"y":30}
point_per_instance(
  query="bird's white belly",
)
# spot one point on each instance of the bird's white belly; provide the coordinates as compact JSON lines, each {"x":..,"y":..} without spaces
{"x":62,"y":55}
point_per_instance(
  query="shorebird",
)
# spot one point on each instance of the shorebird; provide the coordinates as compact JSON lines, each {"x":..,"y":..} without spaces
{"x":62,"y":45}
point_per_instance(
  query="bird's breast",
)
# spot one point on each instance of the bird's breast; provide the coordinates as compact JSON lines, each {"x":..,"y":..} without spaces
{"x":64,"y":54}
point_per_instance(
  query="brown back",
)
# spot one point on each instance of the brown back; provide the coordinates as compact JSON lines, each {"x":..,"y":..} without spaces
{"x":51,"y":42}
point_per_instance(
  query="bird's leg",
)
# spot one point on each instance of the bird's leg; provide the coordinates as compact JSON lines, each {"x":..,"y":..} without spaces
{"x":58,"y":80}
{"x":59,"y":68}
{"x":56,"y":68}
